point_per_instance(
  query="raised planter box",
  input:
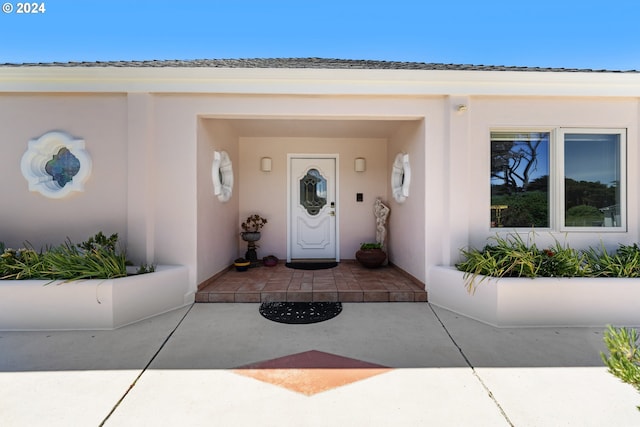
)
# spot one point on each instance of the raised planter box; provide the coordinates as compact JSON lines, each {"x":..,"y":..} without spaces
{"x":544,"y":301}
{"x":27,"y":305}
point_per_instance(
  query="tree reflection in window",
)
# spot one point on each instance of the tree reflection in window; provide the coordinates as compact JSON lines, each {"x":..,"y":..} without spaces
{"x":592,"y":173}
{"x":520,"y":179}
{"x":313,"y":192}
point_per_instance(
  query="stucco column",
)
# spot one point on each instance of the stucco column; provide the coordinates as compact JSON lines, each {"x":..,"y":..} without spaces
{"x":456,"y":202}
{"x":140,"y":213}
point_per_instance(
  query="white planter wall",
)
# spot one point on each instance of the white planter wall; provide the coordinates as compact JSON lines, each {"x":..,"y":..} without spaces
{"x":92,"y":304}
{"x":544,"y":301}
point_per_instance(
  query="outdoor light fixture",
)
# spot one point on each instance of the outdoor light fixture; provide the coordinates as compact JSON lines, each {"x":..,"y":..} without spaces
{"x":265,"y":164}
{"x":361,"y":164}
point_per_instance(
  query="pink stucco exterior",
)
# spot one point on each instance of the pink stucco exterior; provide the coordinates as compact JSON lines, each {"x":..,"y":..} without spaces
{"x":151,"y":134}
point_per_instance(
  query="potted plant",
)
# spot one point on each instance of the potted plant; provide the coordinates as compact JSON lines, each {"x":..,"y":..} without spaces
{"x":251,"y":228}
{"x":251,"y":233}
{"x":371,"y":255}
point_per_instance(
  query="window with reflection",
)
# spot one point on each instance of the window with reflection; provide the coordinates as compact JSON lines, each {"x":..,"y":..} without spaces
{"x":592,"y":180}
{"x":520,"y":179}
{"x":313,"y":191}
{"x":566,"y":179}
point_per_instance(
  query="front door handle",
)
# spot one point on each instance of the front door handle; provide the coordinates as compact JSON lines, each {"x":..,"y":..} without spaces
{"x":332,"y":213}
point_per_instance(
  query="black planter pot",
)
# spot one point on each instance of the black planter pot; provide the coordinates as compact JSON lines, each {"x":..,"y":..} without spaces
{"x":371,"y":258}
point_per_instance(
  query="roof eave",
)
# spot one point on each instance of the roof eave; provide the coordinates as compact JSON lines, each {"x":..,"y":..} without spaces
{"x":308,"y":81}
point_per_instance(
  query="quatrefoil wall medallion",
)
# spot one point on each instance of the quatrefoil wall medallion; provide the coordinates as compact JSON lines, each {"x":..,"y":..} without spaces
{"x":56,"y":164}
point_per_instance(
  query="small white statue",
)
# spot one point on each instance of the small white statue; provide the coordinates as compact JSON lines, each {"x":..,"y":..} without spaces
{"x":382,"y":212}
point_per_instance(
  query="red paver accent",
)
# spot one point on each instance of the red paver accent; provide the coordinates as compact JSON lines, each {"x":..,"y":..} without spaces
{"x":311,"y":372}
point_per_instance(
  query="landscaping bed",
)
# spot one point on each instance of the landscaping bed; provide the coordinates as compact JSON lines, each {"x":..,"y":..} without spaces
{"x":93,"y":303}
{"x":541,"y":301}
{"x":84,"y":286}
{"x":511,"y":282}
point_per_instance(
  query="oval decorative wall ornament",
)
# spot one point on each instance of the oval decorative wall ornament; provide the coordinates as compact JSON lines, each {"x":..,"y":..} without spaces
{"x":401,"y":177}
{"x":56,"y":164}
{"x":222,"y":175}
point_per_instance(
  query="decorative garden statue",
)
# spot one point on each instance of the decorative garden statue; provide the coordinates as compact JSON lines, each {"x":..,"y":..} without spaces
{"x":382,"y":212}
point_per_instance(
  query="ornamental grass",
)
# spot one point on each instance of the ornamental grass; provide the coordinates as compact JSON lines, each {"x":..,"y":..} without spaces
{"x":96,"y":258}
{"x":511,"y":256}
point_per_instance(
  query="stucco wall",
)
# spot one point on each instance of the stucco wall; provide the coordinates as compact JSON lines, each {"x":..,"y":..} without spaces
{"x":151,"y":134}
{"x":265,"y":193}
{"x":217,"y":221}
{"x":101,"y":121}
{"x":406,"y":220}
{"x":486,"y":113}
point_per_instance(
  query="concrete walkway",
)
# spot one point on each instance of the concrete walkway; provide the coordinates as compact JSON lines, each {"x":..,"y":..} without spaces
{"x":177,"y":370}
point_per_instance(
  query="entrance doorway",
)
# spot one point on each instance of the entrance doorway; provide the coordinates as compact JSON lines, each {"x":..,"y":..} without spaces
{"x":313,"y":214}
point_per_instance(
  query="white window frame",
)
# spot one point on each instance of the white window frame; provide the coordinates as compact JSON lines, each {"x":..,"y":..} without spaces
{"x":559,"y":181}
{"x":556,"y":177}
{"x":552,"y":188}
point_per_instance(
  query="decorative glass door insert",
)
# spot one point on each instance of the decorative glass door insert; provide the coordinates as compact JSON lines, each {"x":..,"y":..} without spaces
{"x":313,"y":192}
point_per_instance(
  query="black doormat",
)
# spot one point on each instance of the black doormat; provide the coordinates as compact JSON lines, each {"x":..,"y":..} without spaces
{"x":311,"y":265}
{"x":300,"y":312}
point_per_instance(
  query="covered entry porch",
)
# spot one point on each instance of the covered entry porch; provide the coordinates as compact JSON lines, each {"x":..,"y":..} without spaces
{"x":250,"y":139}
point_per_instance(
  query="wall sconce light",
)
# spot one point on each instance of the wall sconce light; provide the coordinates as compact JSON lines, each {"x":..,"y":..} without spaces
{"x":265,"y":164}
{"x":361,"y":164}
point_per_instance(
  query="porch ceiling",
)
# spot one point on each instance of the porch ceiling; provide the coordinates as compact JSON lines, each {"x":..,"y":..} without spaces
{"x":320,"y":128}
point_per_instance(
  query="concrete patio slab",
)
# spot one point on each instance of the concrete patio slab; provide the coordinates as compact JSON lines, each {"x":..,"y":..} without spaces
{"x":60,"y":398}
{"x":397,"y":335}
{"x":177,"y":369}
{"x":562,"y":396}
{"x":405,"y":397}
{"x":74,"y":377}
{"x":487,"y":346}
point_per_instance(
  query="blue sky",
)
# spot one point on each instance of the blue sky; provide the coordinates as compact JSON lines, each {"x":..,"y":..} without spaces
{"x":545,"y":33}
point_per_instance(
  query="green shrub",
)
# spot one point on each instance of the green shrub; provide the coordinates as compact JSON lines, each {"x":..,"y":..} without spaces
{"x":19,"y":264}
{"x":624,"y":355}
{"x":510,"y":256}
{"x":96,"y":258}
{"x":625,"y":262}
{"x":72,"y":262}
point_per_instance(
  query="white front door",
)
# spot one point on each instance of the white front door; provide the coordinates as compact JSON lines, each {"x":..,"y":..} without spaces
{"x":312,"y":219}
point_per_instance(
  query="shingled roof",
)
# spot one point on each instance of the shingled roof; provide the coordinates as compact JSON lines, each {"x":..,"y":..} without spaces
{"x":318,"y":63}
